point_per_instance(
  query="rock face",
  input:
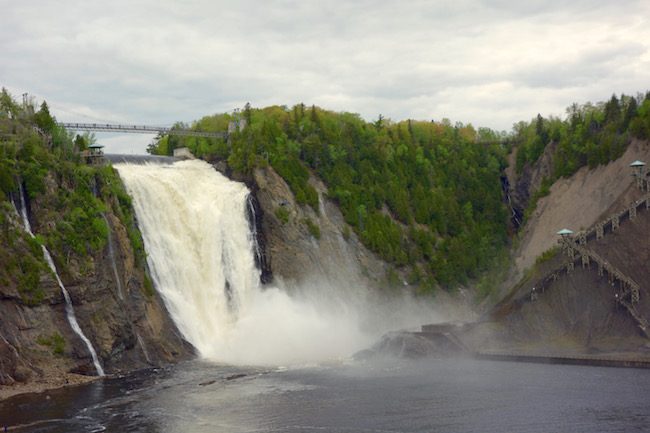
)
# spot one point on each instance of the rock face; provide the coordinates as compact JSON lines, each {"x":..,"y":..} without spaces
{"x":130,"y":324}
{"x":577,"y":314}
{"x":521,"y":186}
{"x":584,"y":310}
{"x":301,"y":243}
{"x":121,"y":315}
{"x":414,"y":345}
{"x":576,"y":202}
{"x":405,"y":345}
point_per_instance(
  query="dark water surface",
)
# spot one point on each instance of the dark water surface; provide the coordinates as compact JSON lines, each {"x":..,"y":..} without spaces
{"x":398,"y":396}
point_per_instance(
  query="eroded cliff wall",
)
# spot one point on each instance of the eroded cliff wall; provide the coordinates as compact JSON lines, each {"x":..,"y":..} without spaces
{"x":115,"y":304}
{"x":302,"y":243}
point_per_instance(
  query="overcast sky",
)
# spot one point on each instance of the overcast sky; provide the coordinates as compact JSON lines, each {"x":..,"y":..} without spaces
{"x":486,"y":62}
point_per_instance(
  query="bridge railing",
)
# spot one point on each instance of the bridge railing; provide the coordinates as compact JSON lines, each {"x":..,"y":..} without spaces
{"x":141,"y":129}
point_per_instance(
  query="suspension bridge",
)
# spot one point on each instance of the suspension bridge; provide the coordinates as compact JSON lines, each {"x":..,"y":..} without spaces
{"x":141,"y":129}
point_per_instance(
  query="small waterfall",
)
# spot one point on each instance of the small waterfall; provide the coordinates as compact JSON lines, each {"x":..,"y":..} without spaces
{"x":250,"y":210}
{"x":144,"y":349}
{"x":516,"y":215}
{"x":72,"y":319}
{"x":111,"y":252}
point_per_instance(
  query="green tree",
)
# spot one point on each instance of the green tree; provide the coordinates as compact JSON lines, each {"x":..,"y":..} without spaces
{"x":44,"y":119}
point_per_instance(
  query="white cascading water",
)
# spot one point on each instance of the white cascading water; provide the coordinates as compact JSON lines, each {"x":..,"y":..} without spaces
{"x":69,"y":310}
{"x":201,"y":254}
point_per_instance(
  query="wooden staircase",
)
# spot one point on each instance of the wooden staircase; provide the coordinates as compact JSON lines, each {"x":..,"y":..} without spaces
{"x":629,"y":291}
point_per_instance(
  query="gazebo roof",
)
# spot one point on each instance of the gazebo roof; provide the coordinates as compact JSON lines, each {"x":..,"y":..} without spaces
{"x":637,"y":163}
{"x":564,"y":232}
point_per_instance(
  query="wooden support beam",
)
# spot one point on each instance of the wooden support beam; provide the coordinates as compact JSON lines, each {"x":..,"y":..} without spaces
{"x":569,"y":267}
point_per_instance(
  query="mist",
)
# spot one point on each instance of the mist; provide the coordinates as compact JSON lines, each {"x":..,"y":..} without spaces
{"x":200,"y":252}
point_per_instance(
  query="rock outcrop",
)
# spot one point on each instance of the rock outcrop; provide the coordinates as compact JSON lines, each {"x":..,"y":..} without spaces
{"x":310,"y":242}
{"x":117,"y":309}
{"x":301,"y":244}
{"x":521,"y":186}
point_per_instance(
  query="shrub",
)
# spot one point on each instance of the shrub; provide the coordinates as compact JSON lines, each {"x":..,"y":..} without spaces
{"x":282,"y":214}
{"x":547,"y":255}
{"x":149,"y":290}
{"x":313,"y":228}
{"x":346,"y":232}
{"x":56,"y":342}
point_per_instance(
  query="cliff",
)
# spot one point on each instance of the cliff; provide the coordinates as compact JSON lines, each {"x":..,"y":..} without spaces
{"x":316,"y":255}
{"x":115,"y":305}
{"x":303,"y":243}
{"x":576,"y":202}
{"x":300,"y":244}
{"x":589,"y":308}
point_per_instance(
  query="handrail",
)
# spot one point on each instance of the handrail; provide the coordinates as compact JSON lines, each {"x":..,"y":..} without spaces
{"x":141,"y":129}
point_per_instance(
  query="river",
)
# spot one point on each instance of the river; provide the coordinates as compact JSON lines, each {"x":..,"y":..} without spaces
{"x":388,"y":396}
{"x":200,"y":250}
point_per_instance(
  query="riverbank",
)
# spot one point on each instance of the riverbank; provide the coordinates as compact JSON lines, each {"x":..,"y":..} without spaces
{"x":45,"y":384}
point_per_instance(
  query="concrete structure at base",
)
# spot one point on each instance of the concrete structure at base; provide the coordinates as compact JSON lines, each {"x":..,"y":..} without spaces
{"x":183,"y":153}
{"x":445,"y":335}
{"x":449,"y":339}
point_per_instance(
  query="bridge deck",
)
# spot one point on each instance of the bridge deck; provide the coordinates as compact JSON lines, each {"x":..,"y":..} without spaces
{"x":141,"y":129}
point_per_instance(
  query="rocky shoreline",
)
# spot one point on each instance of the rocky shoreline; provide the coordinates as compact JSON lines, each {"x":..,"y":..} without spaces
{"x":44,"y":384}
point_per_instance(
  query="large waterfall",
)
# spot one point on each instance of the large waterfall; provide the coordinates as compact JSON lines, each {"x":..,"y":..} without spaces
{"x":200,"y":251}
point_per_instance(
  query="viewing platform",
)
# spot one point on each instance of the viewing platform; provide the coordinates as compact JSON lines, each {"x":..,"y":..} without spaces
{"x":94,"y":155}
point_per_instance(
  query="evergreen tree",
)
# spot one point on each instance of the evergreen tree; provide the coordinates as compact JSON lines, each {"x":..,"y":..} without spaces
{"x":44,"y":119}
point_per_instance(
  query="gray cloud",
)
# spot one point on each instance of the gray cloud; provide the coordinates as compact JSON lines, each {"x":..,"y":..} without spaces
{"x":488,"y":62}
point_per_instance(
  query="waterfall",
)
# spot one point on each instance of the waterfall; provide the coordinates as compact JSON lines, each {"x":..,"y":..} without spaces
{"x":69,"y":310}
{"x":250,"y":209}
{"x":201,"y":253}
{"x":144,"y":349}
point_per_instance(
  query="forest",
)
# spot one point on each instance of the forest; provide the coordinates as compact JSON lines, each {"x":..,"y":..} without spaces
{"x":425,"y":196}
{"x":591,"y":134}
